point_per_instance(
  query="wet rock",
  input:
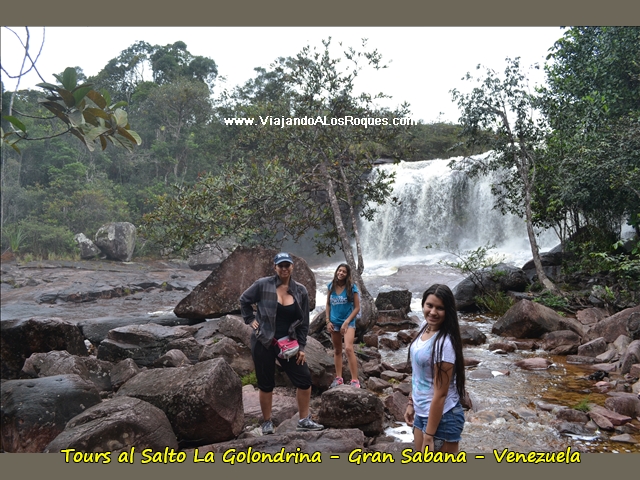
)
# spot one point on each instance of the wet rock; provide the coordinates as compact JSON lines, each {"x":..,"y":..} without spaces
{"x":143,"y":343}
{"x":209,"y":256}
{"x":589,"y":316}
{"x":506,"y":347}
{"x":396,"y":405}
{"x":630,"y":357}
{"x":607,"y":357}
{"x":54,"y":363}
{"x":282,"y":409}
{"x":536,"y":363}
{"x":561,"y":341}
{"x":625,"y":404}
{"x":394,"y":300}
{"x":389,"y":375}
{"x":346,"y":407}
{"x":480,"y":374}
{"x":372,"y":368}
{"x":88,"y":249}
{"x":203,"y":402}
{"x":593,"y":348}
{"x":499,"y":278}
{"x":580,"y":360}
{"x":371,"y":340}
{"x":173,"y":358}
{"x":377,"y":384}
{"x":237,"y":355}
{"x":471,"y":335}
{"x":471,"y":362}
{"x":626,"y":322}
{"x":528,"y":319}
{"x":35,"y":411}
{"x":21,"y":338}
{"x":220,"y":292}
{"x":624,"y":438}
{"x":394,"y":320}
{"x":614,"y":418}
{"x":551,"y":264}
{"x":115,"y":426}
{"x":572,"y":415}
{"x":601,"y":421}
{"x":389,"y":343}
{"x":325,"y":441}
{"x":117,"y":240}
{"x":97,"y":329}
{"x":575,"y":428}
{"x":123,"y":371}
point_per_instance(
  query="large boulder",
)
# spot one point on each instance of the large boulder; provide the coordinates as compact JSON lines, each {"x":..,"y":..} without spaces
{"x":500,"y":278}
{"x":60,"y":362}
{"x":21,"y":338}
{"x":327,"y":441}
{"x":209,"y":256}
{"x":88,"y":249}
{"x":117,"y":240}
{"x":626,"y":322}
{"x":551,"y":264}
{"x":35,"y":411}
{"x":146,"y":343}
{"x":471,"y":335}
{"x":203,"y":402}
{"x":527,"y":319}
{"x":630,"y":357}
{"x":115,"y":426}
{"x":394,"y":300}
{"x":348,"y":407}
{"x":561,"y":342}
{"x":220,"y":292}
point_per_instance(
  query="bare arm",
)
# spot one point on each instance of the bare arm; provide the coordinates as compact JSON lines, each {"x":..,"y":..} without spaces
{"x":442,"y":375}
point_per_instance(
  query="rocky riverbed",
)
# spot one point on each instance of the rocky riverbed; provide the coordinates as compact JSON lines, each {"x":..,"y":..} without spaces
{"x":513,"y":407}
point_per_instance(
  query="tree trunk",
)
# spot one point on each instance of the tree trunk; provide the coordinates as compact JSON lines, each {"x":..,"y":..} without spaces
{"x":354,"y":223}
{"x":368,"y":309}
{"x":542,"y":277}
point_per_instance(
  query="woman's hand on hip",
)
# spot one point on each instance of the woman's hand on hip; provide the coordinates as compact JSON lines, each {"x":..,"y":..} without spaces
{"x":300,"y":358}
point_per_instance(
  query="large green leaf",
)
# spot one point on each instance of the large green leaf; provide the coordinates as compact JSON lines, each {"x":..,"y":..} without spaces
{"x":128,"y":135}
{"x":121,"y":117}
{"x":76,"y":118}
{"x":15,"y":122}
{"x":97,"y":99}
{"x":69,"y":78}
{"x":79,"y":93}
{"x":48,"y":86}
{"x":94,"y":133}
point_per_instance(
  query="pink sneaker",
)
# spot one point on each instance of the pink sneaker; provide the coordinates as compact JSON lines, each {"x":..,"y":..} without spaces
{"x":336,"y":381}
{"x":355,"y":383}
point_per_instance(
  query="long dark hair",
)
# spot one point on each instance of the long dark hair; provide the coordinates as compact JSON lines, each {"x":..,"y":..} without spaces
{"x":449,"y":327}
{"x":348,"y":284}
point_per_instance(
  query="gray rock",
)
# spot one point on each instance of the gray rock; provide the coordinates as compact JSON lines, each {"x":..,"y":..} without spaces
{"x":593,"y":348}
{"x":21,"y":338}
{"x":117,"y":240}
{"x":115,"y":426}
{"x":35,"y":411}
{"x":220,"y":292}
{"x":501,"y":278}
{"x":347,"y":407}
{"x":471,"y":335}
{"x":626,"y":322}
{"x":88,"y":249}
{"x":203,"y":402}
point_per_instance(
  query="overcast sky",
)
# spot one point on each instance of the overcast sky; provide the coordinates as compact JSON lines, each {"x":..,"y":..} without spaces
{"x":425,"y":62}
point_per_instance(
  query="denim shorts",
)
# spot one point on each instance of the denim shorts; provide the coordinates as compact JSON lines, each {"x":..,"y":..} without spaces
{"x":450,"y":427}
{"x":337,"y":325}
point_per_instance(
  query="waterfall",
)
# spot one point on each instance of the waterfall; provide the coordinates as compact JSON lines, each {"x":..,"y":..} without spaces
{"x":438,"y":205}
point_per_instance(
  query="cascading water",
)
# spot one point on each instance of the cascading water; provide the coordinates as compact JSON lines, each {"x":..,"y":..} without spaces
{"x":441,"y":206}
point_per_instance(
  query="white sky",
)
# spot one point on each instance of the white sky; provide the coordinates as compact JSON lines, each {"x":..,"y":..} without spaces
{"x":426,"y":62}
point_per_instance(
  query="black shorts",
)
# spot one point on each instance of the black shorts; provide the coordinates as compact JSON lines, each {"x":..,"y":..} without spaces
{"x":264,"y":360}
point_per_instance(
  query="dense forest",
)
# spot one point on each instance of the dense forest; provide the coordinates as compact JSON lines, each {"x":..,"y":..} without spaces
{"x":582,"y":128}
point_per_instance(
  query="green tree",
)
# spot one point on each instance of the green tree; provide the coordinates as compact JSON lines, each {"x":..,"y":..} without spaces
{"x":320,"y":140}
{"x":501,"y":114}
{"x":592,"y":103}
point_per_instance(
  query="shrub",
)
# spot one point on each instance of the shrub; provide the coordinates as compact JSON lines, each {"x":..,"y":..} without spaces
{"x":249,"y":379}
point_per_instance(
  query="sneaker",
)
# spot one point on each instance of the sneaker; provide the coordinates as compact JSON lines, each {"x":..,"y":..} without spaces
{"x":355,"y":383}
{"x":336,"y":381}
{"x":267,"y":428}
{"x":306,"y":425}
